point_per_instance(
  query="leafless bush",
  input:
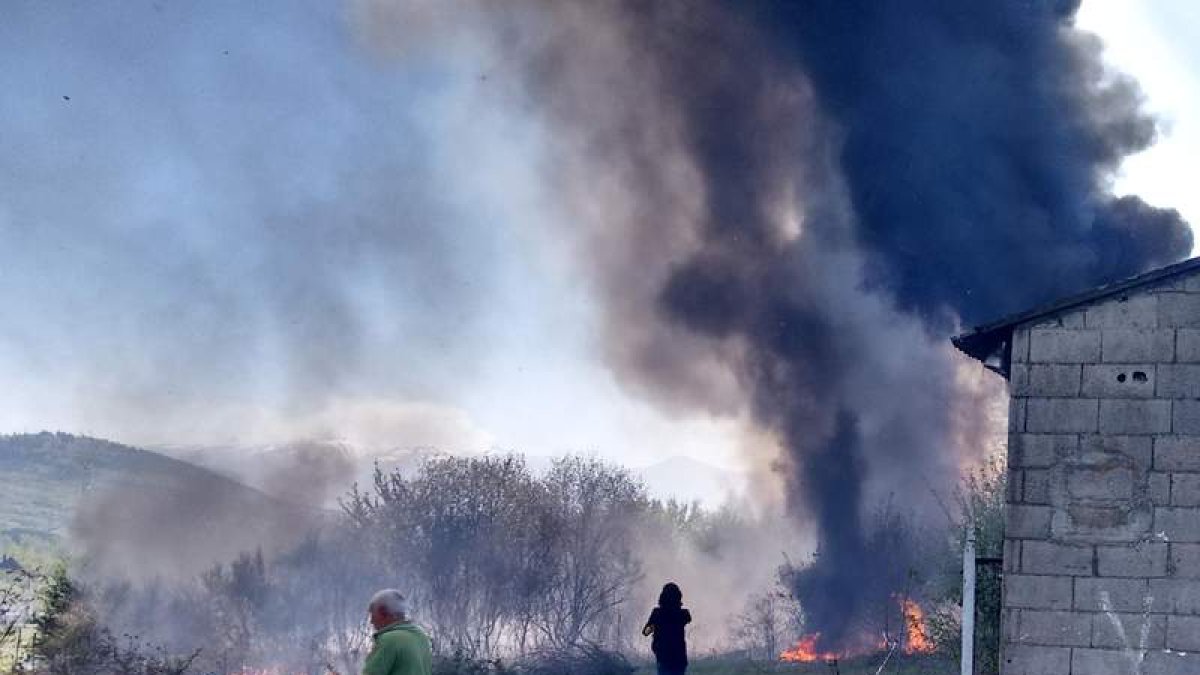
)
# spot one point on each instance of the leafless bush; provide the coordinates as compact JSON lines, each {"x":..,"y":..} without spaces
{"x":499,"y":561}
{"x":768,"y":625}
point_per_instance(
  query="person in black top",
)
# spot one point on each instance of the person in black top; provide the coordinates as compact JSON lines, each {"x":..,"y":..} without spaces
{"x":666,"y":623}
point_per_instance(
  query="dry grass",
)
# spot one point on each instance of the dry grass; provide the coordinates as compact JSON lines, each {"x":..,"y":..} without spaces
{"x":902,"y":665}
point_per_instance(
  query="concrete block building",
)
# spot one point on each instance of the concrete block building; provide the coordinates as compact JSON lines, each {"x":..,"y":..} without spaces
{"x":1102,"y":530}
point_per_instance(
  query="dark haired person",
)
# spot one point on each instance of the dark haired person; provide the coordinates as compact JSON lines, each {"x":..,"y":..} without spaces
{"x":666,"y":623}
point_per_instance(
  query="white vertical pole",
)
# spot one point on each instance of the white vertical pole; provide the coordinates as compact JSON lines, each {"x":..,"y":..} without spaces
{"x":968,"y":605}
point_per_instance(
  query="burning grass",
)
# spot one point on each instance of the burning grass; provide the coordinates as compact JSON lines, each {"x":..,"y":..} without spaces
{"x":915,"y":641}
{"x":915,"y":664}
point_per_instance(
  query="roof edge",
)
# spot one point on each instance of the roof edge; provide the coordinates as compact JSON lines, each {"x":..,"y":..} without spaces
{"x":981,"y":342}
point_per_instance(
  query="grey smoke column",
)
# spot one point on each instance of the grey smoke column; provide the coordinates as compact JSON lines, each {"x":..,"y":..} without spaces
{"x":943,"y":160}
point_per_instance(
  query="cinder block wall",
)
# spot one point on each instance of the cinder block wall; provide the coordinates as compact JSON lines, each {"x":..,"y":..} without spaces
{"x":1102,"y":541}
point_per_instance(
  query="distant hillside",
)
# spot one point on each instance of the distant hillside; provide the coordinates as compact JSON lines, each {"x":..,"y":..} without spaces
{"x":132,"y":507}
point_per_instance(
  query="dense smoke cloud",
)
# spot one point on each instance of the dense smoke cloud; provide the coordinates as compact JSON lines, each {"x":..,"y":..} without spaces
{"x":787,"y":205}
{"x":979,"y":143}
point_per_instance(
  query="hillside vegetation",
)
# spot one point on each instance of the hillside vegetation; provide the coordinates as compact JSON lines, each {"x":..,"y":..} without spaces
{"x":48,"y":476}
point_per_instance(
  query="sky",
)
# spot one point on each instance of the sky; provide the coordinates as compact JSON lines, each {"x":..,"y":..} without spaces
{"x":241,"y":225}
{"x":245,"y":225}
{"x":1157,"y":42}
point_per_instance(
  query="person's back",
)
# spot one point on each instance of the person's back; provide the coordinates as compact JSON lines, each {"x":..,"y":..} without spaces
{"x":666,"y":624}
{"x":401,"y":647}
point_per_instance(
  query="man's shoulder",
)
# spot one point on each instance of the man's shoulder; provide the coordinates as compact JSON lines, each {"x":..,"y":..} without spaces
{"x":405,"y":636}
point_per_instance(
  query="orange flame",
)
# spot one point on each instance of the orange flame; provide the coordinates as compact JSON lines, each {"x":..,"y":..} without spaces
{"x":805,"y":651}
{"x":914,"y":624}
{"x":916,"y":640}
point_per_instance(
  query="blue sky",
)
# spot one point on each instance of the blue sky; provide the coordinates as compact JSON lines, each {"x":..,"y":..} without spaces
{"x":242,"y":224}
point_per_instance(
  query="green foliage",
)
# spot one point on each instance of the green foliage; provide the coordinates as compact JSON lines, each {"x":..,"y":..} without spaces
{"x":980,"y":502}
{"x":57,"y":595}
{"x":70,"y":641}
{"x":48,"y":475}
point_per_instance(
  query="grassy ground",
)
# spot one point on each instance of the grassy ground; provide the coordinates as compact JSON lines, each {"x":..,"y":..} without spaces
{"x":898,"y":665}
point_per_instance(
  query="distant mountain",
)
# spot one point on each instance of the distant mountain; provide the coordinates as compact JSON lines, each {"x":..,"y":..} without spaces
{"x":327,"y":469}
{"x":134,"y":508}
{"x":687,"y":480}
{"x":310,"y":473}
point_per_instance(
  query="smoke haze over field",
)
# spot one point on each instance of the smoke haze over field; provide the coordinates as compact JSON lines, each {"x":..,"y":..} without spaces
{"x":801,"y":198}
{"x":780,"y":211}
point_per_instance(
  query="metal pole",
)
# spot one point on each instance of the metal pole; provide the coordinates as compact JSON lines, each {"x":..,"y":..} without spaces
{"x":968,"y":605}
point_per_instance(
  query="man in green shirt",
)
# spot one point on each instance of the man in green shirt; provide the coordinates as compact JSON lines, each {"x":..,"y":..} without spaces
{"x":401,"y":647}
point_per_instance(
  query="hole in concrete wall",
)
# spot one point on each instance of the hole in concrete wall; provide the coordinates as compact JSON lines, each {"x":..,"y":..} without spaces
{"x":1139,"y":376}
{"x":1120,"y":377}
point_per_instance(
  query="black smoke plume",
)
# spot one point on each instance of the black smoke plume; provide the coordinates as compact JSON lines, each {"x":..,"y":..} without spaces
{"x":787,"y":206}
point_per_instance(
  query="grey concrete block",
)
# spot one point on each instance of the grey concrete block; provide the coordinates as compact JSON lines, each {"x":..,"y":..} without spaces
{"x":1066,"y":629}
{"x":1175,"y":596}
{"x":1118,"y":381}
{"x":1045,"y":557}
{"x":1178,"y":380}
{"x":1134,"y":417}
{"x":1099,"y":662}
{"x":1141,"y":345}
{"x":1178,"y":310}
{"x":1107,"y":482}
{"x":1124,"y":631}
{"x":1170,"y":662}
{"x":1121,"y":521}
{"x":1183,"y":633}
{"x":1099,"y":450}
{"x":1185,"y":490}
{"x":1075,"y":318}
{"x":1012,"y":555}
{"x":1130,"y":311}
{"x":1015,"y":486}
{"x":1023,"y":591}
{"x":1185,"y":417}
{"x":1020,"y":345}
{"x":1009,"y":618}
{"x":1159,"y":488}
{"x":1061,"y":415}
{"x":1022,"y":521}
{"x":1016,"y":414}
{"x":1143,"y":559}
{"x":1177,"y":453}
{"x":1018,"y":380}
{"x":1019,"y":659}
{"x":1040,"y":450}
{"x":1051,"y":380}
{"x":1185,"y":561}
{"x":1187,"y":345}
{"x":1123,"y":595}
{"x":1177,"y":524}
{"x":1036,"y":486}
{"x":1057,"y":345}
